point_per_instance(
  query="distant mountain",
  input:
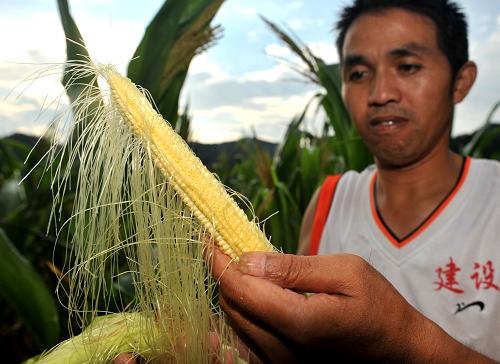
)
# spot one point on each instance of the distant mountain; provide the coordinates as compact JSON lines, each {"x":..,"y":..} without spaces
{"x":232,"y":151}
{"x":28,"y":140}
{"x":237,"y":150}
{"x":208,"y":153}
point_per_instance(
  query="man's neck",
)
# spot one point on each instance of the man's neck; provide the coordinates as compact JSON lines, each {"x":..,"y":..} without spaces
{"x":407,"y":196}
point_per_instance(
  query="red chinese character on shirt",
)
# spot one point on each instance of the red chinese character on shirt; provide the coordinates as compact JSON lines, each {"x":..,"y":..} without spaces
{"x":447,"y":277}
{"x":483,"y":276}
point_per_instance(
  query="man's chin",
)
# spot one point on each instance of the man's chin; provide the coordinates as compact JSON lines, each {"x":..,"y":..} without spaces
{"x":393,"y":153}
{"x":394,"y":160}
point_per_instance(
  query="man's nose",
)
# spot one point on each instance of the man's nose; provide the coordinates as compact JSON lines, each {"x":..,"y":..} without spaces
{"x":383,"y":90}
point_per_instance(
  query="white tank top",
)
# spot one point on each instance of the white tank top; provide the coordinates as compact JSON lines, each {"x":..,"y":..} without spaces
{"x":449,"y":268}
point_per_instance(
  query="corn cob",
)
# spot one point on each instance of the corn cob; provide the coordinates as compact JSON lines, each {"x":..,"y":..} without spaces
{"x":102,"y":340}
{"x":198,"y":187}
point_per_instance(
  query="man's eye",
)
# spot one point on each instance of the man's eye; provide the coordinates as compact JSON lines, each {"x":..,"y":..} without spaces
{"x":409,"y":68}
{"x":357,"y":75}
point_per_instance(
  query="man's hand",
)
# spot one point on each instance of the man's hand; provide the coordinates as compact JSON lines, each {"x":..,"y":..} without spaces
{"x":354,"y":313}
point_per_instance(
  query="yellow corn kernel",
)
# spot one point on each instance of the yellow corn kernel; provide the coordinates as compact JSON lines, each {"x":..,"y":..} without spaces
{"x":198,"y":187}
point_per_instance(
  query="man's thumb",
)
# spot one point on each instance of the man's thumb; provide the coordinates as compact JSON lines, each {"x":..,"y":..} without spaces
{"x":286,"y":270}
{"x":301,"y":273}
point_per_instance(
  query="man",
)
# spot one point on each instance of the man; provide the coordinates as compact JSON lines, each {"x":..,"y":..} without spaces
{"x":414,"y":278}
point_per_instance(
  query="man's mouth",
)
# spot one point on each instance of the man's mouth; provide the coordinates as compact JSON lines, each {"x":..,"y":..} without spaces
{"x":387,"y":122}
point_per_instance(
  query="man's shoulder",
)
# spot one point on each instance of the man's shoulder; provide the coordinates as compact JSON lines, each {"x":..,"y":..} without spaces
{"x":483,"y":179}
{"x":487,"y":169}
{"x":354,"y":183}
{"x":353,"y":175}
{"x":490,"y":164}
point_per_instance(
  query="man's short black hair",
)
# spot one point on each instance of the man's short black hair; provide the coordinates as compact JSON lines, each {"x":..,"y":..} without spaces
{"x":448,"y":17}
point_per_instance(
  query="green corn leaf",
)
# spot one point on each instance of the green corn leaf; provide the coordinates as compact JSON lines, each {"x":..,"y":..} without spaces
{"x":297,"y":47}
{"x":179,"y":31}
{"x":12,"y":197}
{"x":286,"y":225}
{"x":471,"y":148}
{"x":75,"y":50}
{"x":348,"y":145}
{"x":183,"y":127}
{"x":12,"y":153}
{"x":359,"y":154}
{"x":329,"y":76}
{"x":22,"y":287}
{"x":310,"y":173}
{"x":285,"y":158}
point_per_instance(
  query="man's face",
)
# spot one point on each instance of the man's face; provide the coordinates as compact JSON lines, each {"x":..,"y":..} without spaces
{"x":397,"y":86}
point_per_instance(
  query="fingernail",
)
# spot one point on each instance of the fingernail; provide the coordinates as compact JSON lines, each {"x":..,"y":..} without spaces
{"x":253,"y":264}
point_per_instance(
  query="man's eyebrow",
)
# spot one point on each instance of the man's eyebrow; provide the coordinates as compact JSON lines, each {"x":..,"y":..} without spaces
{"x":351,"y":60}
{"x":409,"y":49}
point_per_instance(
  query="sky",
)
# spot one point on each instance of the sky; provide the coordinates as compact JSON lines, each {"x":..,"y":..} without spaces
{"x":238,"y":87}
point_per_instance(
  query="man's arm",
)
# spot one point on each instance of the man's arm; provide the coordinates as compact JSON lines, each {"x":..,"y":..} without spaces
{"x":355,"y":312}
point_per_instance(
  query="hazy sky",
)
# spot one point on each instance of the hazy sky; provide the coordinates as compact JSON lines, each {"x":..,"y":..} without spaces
{"x":237,"y":85}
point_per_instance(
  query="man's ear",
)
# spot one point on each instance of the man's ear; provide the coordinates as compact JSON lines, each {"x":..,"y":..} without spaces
{"x":463,"y":81}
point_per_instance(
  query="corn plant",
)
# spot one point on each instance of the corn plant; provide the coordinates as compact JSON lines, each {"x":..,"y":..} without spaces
{"x":179,"y":31}
{"x":344,"y":140}
{"x":25,"y":251}
{"x":143,"y":195}
{"x":481,"y":142}
{"x":284,"y":184}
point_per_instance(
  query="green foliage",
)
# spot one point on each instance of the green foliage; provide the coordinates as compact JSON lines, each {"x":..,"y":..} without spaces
{"x":344,"y":139}
{"x":282,"y":183}
{"x":484,"y":137}
{"x":182,"y":28}
{"x":29,"y":313}
{"x":179,"y":31}
{"x":23,"y":288}
{"x":183,"y":125}
{"x":280,"y":188}
{"x":75,"y":49}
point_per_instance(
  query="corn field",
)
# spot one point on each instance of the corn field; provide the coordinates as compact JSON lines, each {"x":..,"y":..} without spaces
{"x":277,"y":185}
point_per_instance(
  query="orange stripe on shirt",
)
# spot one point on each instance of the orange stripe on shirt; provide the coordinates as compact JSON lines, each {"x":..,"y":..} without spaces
{"x":325,"y":201}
